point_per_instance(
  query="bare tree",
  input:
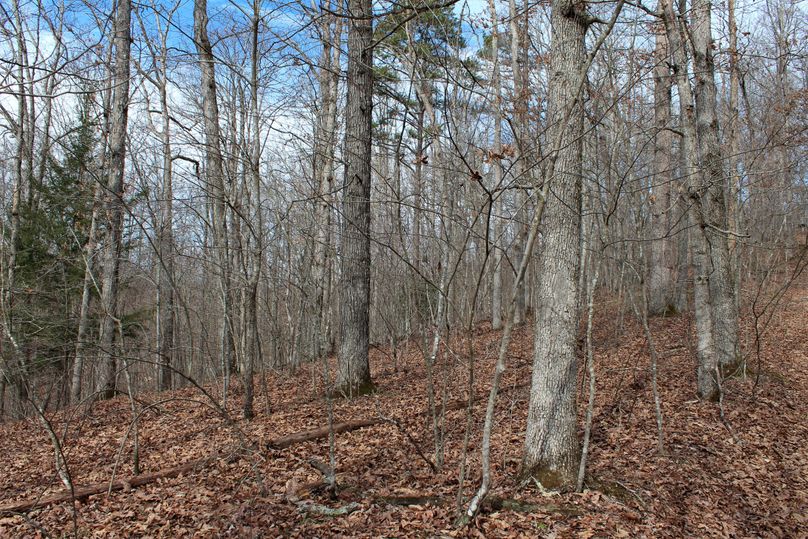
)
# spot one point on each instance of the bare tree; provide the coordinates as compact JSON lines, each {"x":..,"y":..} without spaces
{"x":496,"y":166}
{"x":113,"y":202}
{"x":519,"y":69}
{"x":662,"y":270}
{"x":714,"y":192}
{"x":215,"y":180}
{"x":324,"y":150}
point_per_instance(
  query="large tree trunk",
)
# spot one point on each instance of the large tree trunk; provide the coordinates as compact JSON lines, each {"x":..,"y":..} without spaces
{"x":662,"y":268}
{"x":552,"y":447}
{"x":113,"y":207}
{"x":715,"y":188}
{"x":353,"y":375}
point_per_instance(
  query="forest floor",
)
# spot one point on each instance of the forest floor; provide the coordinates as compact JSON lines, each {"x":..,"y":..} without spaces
{"x":744,"y":476}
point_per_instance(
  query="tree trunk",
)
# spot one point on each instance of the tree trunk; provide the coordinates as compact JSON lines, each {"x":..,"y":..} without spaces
{"x":113,"y":207}
{"x":14,"y":370}
{"x":215,"y":177}
{"x":251,"y":321}
{"x":724,"y":307}
{"x":89,"y":254}
{"x":706,"y":382}
{"x":552,"y":447}
{"x":418,"y":299}
{"x":353,"y":374}
{"x":323,"y":174}
{"x":165,"y":246}
{"x":733,"y":160}
{"x":518,"y":67}
{"x":662,"y":272}
{"x":496,"y":165}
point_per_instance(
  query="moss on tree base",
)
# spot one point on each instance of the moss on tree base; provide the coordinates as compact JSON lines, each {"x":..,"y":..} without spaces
{"x":350,"y":391}
{"x":551,"y":479}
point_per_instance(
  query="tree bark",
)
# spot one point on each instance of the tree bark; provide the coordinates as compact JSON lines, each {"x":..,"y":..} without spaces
{"x":14,"y":369}
{"x":496,"y":165}
{"x":325,"y":134}
{"x":215,"y":177}
{"x":256,"y":254}
{"x":113,"y":206}
{"x":733,"y":206}
{"x":518,"y":67}
{"x":353,"y":374}
{"x":90,"y":253}
{"x":662,"y":270}
{"x":715,"y":189}
{"x":552,"y":447}
{"x":706,"y":382}
{"x":165,"y":264}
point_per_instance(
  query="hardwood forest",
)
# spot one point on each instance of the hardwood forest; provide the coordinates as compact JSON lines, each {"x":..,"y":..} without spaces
{"x":464,"y":268}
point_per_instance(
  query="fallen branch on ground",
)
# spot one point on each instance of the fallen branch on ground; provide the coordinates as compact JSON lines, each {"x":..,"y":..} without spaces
{"x":324,"y":510}
{"x":81,"y":493}
{"x":322,"y":432}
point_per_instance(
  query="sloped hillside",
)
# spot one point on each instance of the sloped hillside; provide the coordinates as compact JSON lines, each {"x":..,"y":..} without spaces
{"x":741,"y":476}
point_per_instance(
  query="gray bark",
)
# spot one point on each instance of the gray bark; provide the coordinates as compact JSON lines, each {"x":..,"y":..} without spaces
{"x":89,"y":254}
{"x":706,"y":382}
{"x":716,"y":185}
{"x":552,"y":447}
{"x":14,"y":369}
{"x":251,"y":308}
{"x":519,"y":67}
{"x":662,"y":270}
{"x":323,"y":174}
{"x":496,"y":165}
{"x":215,"y":177}
{"x":733,"y":206}
{"x":113,"y":206}
{"x":353,"y":374}
{"x":165,"y":245}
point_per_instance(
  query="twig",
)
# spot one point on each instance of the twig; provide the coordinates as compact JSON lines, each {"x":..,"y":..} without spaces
{"x":412,"y":440}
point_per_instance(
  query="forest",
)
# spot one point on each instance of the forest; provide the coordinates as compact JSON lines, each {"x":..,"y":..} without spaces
{"x":404,"y":268}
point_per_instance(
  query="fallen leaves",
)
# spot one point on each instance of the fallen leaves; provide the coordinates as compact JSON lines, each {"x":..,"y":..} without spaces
{"x":708,"y":484}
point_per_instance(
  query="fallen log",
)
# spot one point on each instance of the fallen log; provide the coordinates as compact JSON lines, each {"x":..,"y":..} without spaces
{"x":322,"y":432}
{"x":80,"y":493}
{"x":324,"y":510}
{"x":403,"y":501}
